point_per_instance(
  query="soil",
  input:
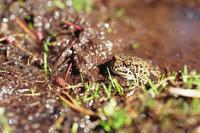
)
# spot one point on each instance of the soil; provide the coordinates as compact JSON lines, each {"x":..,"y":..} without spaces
{"x":165,"y":32}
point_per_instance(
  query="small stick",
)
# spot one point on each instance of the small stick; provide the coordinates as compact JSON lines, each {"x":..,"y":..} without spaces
{"x":24,"y":27}
{"x":32,"y":94}
{"x":12,"y":35}
{"x":185,"y":92}
{"x":3,"y":39}
{"x":77,"y":107}
{"x":70,"y":98}
{"x":74,"y":86}
{"x":68,"y":69}
{"x":77,"y":27}
{"x":60,"y":81}
{"x":34,"y":104}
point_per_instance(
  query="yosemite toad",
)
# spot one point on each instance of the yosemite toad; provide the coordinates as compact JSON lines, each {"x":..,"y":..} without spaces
{"x":133,"y":68}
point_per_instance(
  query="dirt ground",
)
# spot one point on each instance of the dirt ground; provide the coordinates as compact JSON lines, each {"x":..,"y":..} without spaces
{"x":165,"y":32}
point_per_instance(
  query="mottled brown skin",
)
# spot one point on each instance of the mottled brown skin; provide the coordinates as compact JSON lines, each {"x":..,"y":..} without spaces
{"x":133,"y":68}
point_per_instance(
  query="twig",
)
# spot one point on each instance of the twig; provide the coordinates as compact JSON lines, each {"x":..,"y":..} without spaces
{"x":3,"y":39}
{"x":70,"y":98}
{"x":24,"y":27}
{"x":68,"y":69}
{"x":77,"y":107}
{"x":32,"y":94}
{"x":74,"y":86}
{"x":12,"y":35}
{"x":185,"y":92}
{"x":60,"y":81}
{"x":77,"y":27}
{"x":34,"y":104}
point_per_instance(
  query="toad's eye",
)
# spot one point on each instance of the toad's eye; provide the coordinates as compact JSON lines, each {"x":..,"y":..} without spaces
{"x":116,"y":66}
{"x":121,"y":70}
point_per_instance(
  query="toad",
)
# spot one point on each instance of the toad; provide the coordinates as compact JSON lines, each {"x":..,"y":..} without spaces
{"x":134,"y":68}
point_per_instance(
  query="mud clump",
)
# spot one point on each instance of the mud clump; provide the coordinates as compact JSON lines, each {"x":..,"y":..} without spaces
{"x":83,"y":46}
{"x":91,"y":51}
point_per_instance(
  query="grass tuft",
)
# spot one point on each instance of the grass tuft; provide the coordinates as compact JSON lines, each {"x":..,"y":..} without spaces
{"x":191,"y":79}
{"x":115,"y":84}
{"x":46,"y":45}
{"x":116,"y":117}
{"x":4,"y":122}
{"x":74,"y":128}
{"x":59,"y":4}
{"x":92,"y":91}
{"x":107,"y":89}
{"x":82,"y":5}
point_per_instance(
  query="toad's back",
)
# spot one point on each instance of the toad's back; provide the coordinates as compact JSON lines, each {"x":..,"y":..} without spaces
{"x":133,"y":68}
